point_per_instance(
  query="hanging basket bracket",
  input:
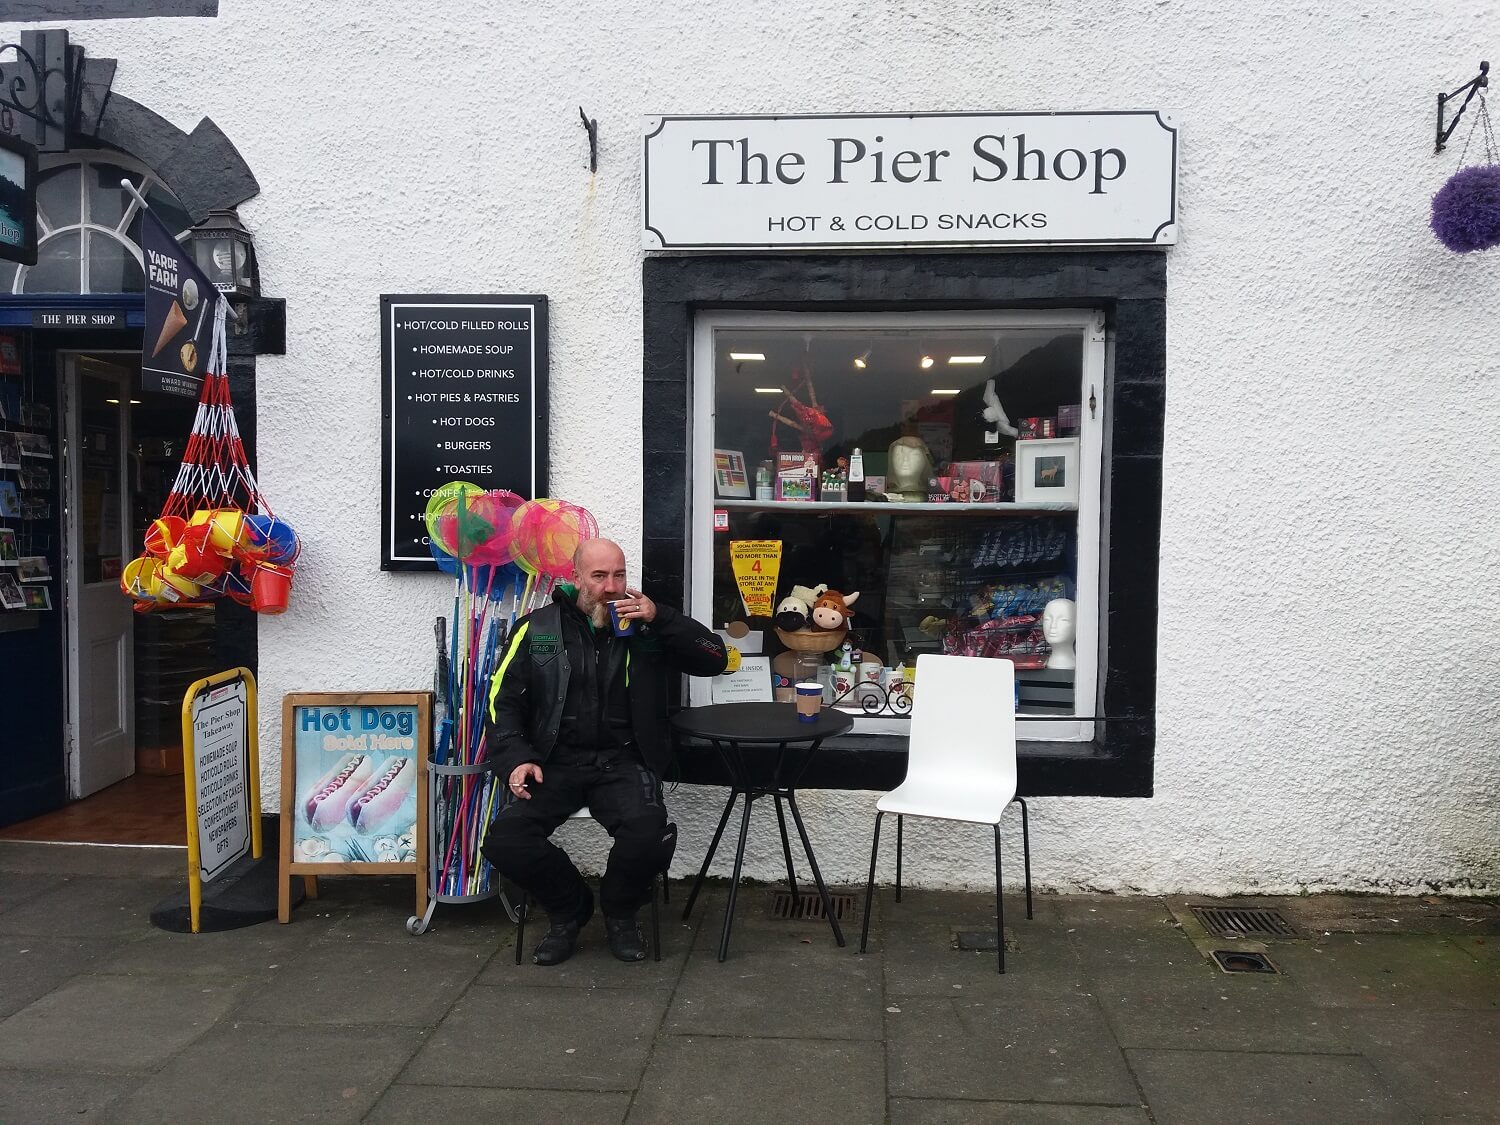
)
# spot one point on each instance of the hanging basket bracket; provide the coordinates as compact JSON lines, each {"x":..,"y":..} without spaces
{"x":1473,"y":86}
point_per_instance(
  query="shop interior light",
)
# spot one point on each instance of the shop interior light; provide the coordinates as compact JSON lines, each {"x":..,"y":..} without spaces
{"x":967,"y":358}
{"x":945,"y":390}
{"x":768,"y":390}
{"x":862,"y":361}
{"x":926,"y":362}
{"x":744,"y":356}
{"x":113,"y":401}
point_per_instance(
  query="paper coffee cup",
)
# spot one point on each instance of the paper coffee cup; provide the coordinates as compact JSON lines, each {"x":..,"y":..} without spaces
{"x":809,"y":700}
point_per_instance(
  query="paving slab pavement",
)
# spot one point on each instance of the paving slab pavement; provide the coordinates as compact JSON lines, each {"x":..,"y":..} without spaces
{"x":1111,"y":1013}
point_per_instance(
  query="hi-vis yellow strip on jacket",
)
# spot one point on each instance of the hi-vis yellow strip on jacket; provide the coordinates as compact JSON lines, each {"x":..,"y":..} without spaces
{"x":510,"y":654}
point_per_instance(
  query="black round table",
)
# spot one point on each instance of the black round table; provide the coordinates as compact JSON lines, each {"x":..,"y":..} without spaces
{"x":765,"y":749}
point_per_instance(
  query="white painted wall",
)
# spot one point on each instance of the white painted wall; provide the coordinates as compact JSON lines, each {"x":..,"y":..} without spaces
{"x":1328,"y":634}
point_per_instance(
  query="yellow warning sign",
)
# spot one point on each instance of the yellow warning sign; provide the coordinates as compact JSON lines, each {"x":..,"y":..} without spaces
{"x":757,"y":566}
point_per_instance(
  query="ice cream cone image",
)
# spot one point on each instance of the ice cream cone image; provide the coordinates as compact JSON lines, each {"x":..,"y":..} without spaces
{"x":176,"y":321}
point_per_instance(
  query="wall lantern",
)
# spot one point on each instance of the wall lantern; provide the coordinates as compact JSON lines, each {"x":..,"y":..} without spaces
{"x":224,"y":252}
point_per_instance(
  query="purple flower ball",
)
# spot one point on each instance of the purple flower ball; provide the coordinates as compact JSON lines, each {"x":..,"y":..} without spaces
{"x":1466,"y":210}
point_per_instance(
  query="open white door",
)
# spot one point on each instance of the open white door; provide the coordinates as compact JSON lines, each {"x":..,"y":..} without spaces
{"x":101,"y":673}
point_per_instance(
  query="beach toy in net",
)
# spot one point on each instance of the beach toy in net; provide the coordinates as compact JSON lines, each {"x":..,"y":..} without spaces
{"x":216,"y":536}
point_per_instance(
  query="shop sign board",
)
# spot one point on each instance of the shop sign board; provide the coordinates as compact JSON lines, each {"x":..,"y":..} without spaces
{"x":836,"y":181}
{"x":464,"y":384}
{"x":79,"y":318}
{"x":18,"y":172}
{"x":221,"y":776}
{"x":354,"y":787}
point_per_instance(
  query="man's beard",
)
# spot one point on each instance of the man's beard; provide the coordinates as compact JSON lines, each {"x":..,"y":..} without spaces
{"x":598,"y":612}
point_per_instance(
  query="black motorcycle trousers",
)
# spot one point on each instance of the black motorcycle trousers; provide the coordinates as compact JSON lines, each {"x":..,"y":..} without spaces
{"x":623,"y":796}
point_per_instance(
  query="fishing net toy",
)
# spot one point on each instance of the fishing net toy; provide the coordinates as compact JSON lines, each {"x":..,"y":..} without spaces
{"x":469,"y":534}
{"x":546,"y":534}
{"x":216,"y":536}
{"x":496,"y":546}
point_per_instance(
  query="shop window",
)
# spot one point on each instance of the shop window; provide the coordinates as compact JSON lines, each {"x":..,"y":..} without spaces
{"x":88,"y":227}
{"x":978,"y":532}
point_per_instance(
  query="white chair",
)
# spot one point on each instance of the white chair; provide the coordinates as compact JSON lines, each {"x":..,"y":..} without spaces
{"x":962,"y":763}
{"x":525,"y":904}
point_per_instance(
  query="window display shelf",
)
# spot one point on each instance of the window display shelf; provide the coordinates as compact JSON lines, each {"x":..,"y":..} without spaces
{"x":887,"y":509}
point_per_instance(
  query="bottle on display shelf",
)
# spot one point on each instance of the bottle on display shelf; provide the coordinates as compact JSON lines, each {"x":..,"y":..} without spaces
{"x":763,"y":481}
{"x":856,"y":476}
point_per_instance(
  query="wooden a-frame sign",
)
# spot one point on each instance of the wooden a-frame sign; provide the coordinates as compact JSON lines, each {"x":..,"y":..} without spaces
{"x":354,"y":788}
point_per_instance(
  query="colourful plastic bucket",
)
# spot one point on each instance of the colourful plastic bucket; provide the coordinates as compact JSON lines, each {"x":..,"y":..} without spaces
{"x":270,"y":588}
{"x":267,"y":537}
{"x":226,"y":528}
{"x":164,"y":534}
{"x":139,"y":578}
{"x":176,"y":587}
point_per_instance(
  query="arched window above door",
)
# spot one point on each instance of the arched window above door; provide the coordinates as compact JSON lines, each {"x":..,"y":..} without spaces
{"x":89,"y":228}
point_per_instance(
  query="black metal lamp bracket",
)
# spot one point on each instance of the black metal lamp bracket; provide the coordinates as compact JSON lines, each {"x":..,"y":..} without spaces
{"x":1473,"y":86}
{"x":591,"y":126}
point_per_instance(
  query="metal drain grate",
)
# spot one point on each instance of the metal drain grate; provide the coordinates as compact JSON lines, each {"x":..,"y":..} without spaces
{"x":1243,"y":921}
{"x":810,"y":905}
{"x":981,"y":941}
{"x":1233,"y":961}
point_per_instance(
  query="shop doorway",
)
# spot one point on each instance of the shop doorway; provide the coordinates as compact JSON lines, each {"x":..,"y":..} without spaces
{"x":97,"y":391}
{"x":119,"y":448}
{"x":89,"y":691}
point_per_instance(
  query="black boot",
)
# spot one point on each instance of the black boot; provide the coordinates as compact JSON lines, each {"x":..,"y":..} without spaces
{"x":625,"y":940}
{"x":562,"y":936}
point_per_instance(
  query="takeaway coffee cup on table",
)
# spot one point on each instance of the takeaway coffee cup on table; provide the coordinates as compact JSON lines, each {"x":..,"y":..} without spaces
{"x":809,"y":701}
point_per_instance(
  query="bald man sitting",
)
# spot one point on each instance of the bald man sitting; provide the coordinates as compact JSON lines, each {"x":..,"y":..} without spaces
{"x":578,"y":716}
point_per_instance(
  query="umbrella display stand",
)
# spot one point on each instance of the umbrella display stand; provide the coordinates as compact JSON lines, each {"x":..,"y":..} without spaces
{"x":447,"y":881}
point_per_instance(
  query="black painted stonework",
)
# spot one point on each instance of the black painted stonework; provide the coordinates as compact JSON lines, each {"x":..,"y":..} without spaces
{"x":95,"y":79}
{"x":207,"y":172}
{"x":1130,"y":286}
{"x":203,"y":169}
{"x":106,"y":9}
{"x":265,"y":326}
{"x":131,"y":127}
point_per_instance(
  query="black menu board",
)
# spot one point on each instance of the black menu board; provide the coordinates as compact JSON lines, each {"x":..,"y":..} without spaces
{"x":464,"y":384}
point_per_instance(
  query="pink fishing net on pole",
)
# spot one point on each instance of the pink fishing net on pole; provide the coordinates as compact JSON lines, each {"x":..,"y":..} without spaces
{"x":545,"y":535}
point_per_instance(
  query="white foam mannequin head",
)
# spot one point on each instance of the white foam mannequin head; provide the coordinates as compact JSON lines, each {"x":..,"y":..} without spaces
{"x":1059,"y":628}
{"x":908,"y":466}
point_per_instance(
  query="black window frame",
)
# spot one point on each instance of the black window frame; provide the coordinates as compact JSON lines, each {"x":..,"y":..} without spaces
{"x":1129,"y":287}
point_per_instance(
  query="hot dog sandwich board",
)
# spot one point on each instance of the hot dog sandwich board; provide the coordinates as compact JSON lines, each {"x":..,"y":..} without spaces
{"x":354,"y":788}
